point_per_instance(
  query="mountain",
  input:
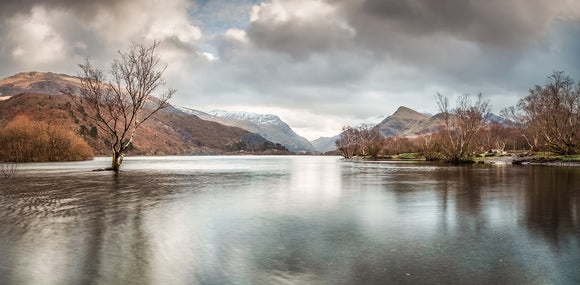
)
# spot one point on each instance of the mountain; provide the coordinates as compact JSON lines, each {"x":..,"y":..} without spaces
{"x":495,"y":118}
{"x":325,"y":144}
{"x":36,"y":82}
{"x":404,"y":122}
{"x":271,"y":127}
{"x":371,"y":123}
{"x":169,"y":132}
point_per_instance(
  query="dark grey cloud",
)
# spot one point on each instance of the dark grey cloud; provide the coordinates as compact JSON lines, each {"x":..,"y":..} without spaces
{"x":493,"y":22}
{"x":454,"y":41}
{"x":83,"y":9}
{"x":385,"y":26}
{"x":299,"y":28}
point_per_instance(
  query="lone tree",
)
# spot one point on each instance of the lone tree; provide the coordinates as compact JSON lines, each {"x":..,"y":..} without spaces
{"x":131,"y":96}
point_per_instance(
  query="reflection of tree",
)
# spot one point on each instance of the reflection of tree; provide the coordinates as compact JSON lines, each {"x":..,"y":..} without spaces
{"x":115,"y":222}
{"x":125,"y":230}
{"x":553,"y":204}
{"x":465,"y":185}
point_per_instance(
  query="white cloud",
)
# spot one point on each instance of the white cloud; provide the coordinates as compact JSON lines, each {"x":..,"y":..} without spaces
{"x":34,"y":40}
{"x":237,"y":35}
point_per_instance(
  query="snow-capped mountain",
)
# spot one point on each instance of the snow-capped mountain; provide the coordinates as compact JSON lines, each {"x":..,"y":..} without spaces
{"x":371,"y":122}
{"x":260,"y":119}
{"x":271,"y":127}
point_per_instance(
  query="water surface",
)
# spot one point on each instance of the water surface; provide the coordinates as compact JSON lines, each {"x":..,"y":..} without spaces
{"x":288,"y":220}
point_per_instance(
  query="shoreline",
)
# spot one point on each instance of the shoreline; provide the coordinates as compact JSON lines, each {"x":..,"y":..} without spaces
{"x":513,"y":160}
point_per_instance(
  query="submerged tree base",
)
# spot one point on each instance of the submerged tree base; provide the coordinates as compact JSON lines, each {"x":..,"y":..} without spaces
{"x":107,"y":169}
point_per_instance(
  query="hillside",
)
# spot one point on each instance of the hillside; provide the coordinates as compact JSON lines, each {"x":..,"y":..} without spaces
{"x":325,"y":144}
{"x":36,"y":82}
{"x":271,"y":127}
{"x":169,"y":132}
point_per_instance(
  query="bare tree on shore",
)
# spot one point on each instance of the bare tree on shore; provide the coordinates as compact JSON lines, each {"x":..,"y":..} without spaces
{"x":348,"y":143}
{"x":462,"y":126}
{"x":120,"y":106}
{"x":549,"y":117}
{"x":360,"y":142}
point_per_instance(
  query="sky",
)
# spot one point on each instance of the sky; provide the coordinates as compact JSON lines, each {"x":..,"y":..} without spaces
{"x":318,"y":64}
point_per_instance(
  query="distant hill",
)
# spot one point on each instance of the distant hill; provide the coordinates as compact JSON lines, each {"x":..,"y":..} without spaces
{"x":325,"y":144}
{"x":271,"y":127}
{"x":36,"y":82}
{"x":169,"y":132}
{"x":403,"y":122}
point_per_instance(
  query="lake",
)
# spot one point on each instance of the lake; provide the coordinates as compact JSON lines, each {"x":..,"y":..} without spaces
{"x":289,"y":220}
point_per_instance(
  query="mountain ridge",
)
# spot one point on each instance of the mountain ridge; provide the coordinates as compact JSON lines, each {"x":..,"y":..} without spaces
{"x":268,"y":126}
{"x":39,"y":96}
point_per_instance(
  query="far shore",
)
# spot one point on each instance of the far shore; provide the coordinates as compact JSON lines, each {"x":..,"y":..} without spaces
{"x":495,"y":160}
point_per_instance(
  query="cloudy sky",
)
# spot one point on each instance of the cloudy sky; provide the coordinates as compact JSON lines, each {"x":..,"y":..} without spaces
{"x":318,"y":64}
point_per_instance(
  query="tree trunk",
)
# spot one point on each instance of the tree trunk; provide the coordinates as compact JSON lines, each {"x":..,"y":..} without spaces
{"x":116,"y":163}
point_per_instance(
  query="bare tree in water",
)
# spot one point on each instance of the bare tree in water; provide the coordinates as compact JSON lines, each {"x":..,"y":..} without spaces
{"x":8,"y":169}
{"x":131,"y":96}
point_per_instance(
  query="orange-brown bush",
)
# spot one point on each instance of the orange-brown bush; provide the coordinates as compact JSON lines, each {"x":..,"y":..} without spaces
{"x":360,"y":142}
{"x":24,"y":140}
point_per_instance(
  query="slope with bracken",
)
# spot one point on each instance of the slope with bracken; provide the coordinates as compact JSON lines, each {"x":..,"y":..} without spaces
{"x":169,"y":132}
{"x":36,"y":82}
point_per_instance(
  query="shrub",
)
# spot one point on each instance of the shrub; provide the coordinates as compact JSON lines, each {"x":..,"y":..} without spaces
{"x":23,"y":140}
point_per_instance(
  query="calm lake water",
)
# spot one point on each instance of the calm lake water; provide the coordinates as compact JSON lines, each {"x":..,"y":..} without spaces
{"x":289,"y":220}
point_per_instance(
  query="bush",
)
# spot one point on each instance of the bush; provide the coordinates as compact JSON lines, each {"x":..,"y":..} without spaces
{"x":23,"y":140}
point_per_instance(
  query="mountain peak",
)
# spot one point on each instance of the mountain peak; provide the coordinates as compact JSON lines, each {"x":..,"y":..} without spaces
{"x":404,"y":121}
{"x":406,"y":112}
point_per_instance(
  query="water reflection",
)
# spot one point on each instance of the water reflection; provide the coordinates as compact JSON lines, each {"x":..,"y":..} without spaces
{"x":552,"y":204}
{"x":290,"y":220}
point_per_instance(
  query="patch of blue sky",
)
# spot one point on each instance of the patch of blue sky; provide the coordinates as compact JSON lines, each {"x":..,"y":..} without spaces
{"x":215,"y":17}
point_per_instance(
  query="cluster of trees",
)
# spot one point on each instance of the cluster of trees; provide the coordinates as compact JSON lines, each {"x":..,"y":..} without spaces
{"x":548,"y":119}
{"x":24,"y":140}
{"x":360,"y":142}
{"x":265,"y":146}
